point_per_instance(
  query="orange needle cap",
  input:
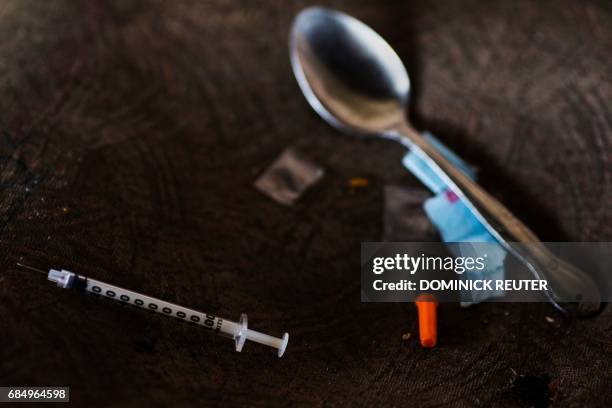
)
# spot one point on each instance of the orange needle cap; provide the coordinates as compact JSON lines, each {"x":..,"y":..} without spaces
{"x":428,"y":321}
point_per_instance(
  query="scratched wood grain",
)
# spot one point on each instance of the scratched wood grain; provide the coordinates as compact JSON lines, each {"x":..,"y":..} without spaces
{"x":131,"y":133}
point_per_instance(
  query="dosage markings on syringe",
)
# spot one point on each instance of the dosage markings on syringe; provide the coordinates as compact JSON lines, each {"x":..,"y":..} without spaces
{"x":206,"y":320}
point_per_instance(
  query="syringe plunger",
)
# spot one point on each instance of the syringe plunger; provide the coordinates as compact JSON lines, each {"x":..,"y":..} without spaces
{"x":243,"y":333}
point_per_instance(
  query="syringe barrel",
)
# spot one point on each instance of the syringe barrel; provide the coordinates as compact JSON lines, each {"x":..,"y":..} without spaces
{"x":126,"y":296}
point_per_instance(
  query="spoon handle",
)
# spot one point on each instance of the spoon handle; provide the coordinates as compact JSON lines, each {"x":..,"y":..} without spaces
{"x":565,"y":282}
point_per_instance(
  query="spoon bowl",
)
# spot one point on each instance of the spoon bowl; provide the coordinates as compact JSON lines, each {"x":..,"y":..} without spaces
{"x":349,"y":74}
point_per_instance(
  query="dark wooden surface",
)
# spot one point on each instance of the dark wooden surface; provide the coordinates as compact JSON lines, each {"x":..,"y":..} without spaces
{"x":131,"y":133}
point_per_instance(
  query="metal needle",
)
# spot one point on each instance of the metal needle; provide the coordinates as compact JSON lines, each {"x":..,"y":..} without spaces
{"x":31,"y":268}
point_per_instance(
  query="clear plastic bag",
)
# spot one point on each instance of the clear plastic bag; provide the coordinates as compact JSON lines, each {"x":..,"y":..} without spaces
{"x":404,"y":218}
{"x":286,"y":179}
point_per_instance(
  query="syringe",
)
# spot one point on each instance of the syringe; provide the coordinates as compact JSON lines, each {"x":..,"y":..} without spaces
{"x":238,"y":331}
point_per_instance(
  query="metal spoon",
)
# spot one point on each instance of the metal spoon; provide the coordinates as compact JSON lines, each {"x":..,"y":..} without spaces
{"x":358,"y":84}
